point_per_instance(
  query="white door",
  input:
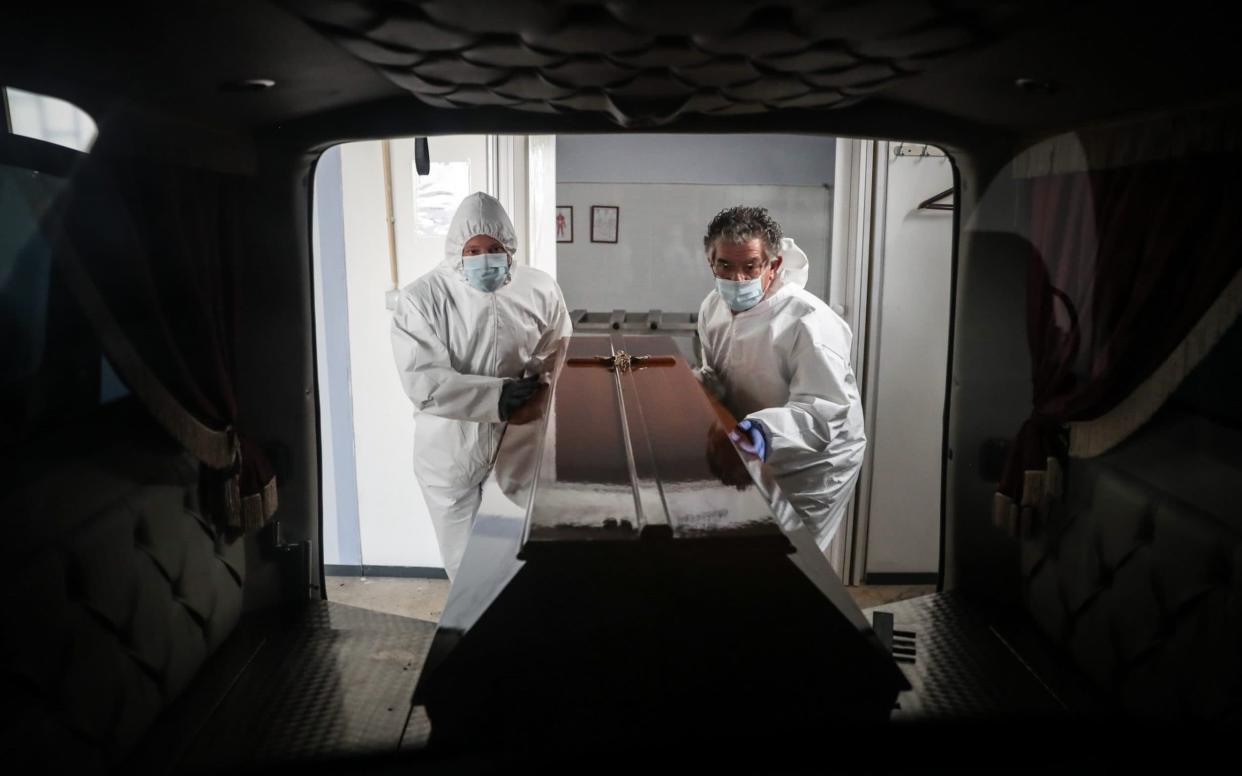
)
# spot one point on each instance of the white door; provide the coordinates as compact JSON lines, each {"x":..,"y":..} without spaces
{"x":891,"y":277}
{"x":379,"y":182}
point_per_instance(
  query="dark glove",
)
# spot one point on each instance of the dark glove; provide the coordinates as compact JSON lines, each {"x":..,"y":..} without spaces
{"x":515,"y":393}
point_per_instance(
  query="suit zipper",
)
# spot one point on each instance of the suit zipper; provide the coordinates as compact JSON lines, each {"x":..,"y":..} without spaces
{"x":495,"y":367}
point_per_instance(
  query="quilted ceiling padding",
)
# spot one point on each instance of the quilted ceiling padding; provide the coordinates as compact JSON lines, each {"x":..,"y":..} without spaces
{"x":647,"y":63}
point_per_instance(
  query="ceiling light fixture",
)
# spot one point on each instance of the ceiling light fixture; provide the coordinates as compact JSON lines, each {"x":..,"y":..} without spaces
{"x":248,"y":85}
{"x":1035,"y":86}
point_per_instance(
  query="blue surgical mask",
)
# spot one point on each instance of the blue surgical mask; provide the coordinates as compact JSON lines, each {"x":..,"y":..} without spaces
{"x":740,"y":294}
{"x":486,"y":272}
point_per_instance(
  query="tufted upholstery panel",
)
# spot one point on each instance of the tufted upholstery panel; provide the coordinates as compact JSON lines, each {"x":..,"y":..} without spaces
{"x":120,"y":591}
{"x":645,"y":63}
{"x":1140,"y":587}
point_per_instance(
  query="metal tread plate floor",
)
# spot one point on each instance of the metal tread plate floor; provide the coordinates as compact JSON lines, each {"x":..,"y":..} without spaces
{"x":336,"y":681}
{"x":963,"y":668}
{"x":333,"y":681}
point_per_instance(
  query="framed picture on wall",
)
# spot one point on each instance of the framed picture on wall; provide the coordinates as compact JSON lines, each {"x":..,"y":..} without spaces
{"x":605,"y":220}
{"x":564,"y":223}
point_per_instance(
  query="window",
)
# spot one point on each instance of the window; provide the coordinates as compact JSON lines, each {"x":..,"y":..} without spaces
{"x":47,"y":118}
{"x":48,"y":370}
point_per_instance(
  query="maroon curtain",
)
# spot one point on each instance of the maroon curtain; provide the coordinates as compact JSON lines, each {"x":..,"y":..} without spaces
{"x":1125,"y":263}
{"x":151,"y":251}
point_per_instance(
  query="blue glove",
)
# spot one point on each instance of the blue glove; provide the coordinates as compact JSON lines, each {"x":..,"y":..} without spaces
{"x":752,"y":437}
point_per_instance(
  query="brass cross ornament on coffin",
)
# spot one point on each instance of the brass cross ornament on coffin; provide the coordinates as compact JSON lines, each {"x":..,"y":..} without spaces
{"x":622,"y":361}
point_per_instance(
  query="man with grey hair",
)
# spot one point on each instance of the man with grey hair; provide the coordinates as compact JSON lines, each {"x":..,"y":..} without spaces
{"x":778,"y":357}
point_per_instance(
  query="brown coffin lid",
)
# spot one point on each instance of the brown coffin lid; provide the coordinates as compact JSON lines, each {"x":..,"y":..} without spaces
{"x":633,"y":453}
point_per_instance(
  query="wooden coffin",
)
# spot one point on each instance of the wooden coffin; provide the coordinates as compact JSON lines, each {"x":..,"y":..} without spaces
{"x":626,"y":577}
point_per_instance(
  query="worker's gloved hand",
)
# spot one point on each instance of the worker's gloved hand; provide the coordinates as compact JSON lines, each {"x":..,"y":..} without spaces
{"x":515,"y":393}
{"x":752,"y":437}
{"x":723,"y":459}
{"x":707,"y":376}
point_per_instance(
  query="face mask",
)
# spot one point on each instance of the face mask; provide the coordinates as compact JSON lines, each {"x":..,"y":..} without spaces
{"x":740,"y":294}
{"x":487,"y":272}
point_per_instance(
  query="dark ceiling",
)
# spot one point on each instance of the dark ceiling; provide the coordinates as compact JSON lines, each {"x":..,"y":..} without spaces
{"x":941,"y":71}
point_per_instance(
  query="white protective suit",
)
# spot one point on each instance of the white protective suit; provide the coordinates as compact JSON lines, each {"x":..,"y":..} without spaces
{"x":785,"y":363}
{"x":455,"y":346}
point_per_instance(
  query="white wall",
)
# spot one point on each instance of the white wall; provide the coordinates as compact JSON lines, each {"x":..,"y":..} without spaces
{"x":51,"y":119}
{"x":657,"y":262}
{"x":742,"y":159}
{"x":395,"y":527}
{"x":904,"y":530}
{"x":668,"y":187}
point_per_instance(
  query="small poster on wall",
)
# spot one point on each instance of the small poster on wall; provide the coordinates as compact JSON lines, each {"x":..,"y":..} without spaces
{"x":564,"y":223}
{"x":604,"y":222}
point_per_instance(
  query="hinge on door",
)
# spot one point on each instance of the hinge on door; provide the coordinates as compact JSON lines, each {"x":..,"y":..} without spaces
{"x":296,"y":563}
